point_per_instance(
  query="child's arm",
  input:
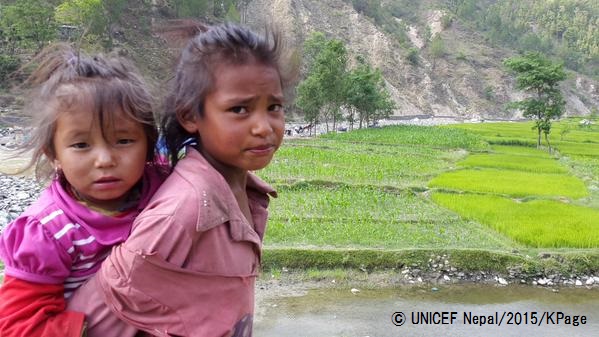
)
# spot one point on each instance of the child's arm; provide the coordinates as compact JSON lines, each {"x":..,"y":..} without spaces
{"x":34,"y":309}
{"x":32,"y":299}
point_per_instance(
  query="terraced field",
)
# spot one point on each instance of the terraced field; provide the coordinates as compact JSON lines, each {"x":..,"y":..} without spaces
{"x":451,"y":187}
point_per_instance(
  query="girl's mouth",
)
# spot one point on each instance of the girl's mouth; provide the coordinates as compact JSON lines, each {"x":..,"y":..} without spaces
{"x":262,"y":149}
{"x":107,"y":182}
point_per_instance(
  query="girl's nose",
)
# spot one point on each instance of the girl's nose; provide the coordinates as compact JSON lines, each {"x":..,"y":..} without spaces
{"x":262,"y":125}
{"x":105,"y":157}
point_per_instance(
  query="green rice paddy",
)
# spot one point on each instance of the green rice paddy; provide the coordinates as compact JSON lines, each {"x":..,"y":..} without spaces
{"x":406,"y":187}
{"x":535,"y":223}
{"x":511,"y":182}
{"x":490,"y":181}
{"x":345,"y":216}
{"x":533,"y":164}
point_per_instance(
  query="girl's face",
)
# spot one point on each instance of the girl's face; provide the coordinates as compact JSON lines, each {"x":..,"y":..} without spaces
{"x":243,"y":121}
{"x":102,"y":171}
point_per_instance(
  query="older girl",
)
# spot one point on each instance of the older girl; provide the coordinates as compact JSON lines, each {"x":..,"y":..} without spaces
{"x":189,"y":266}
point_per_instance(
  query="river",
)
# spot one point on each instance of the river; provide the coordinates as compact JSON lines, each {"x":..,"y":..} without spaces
{"x":451,"y":311}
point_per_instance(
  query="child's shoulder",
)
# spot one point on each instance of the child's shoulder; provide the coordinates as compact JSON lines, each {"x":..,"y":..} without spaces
{"x":39,"y":227}
{"x":46,"y":212}
{"x":194,"y":170}
{"x":42,"y":208}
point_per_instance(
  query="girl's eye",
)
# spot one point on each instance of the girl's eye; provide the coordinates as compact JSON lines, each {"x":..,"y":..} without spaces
{"x":238,"y":109}
{"x":80,"y":145}
{"x":276,"y":108}
{"x":125,"y":141}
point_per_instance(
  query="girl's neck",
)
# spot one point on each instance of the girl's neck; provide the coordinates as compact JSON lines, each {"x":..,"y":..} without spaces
{"x":111,"y":208}
{"x":234,"y":176}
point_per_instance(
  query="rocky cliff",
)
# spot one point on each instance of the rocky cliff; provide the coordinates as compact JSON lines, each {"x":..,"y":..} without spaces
{"x":469,"y":81}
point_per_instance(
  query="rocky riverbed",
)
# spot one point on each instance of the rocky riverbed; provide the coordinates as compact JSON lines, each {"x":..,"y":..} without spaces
{"x":17,"y":192}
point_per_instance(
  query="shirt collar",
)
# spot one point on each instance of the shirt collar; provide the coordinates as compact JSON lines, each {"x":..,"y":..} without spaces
{"x":217,"y":202}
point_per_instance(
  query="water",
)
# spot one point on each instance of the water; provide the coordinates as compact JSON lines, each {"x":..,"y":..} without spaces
{"x":327,"y":312}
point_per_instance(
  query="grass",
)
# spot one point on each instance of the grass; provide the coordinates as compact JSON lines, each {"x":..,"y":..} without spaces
{"x":512,"y":183}
{"x":585,"y":167}
{"x":358,"y":164}
{"x":373,"y":259}
{"x":535,"y":164}
{"x":354,"y":202}
{"x":577,"y":140}
{"x":528,"y":151}
{"x":578,"y":149}
{"x":414,"y":135}
{"x":527,"y":130}
{"x":517,"y":169}
{"x":362,"y":189}
{"x":366,"y":217}
{"x":536,"y":223}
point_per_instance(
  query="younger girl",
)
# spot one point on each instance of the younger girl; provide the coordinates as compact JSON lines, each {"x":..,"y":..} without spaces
{"x":189,"y":266}
{"x":94,"y":129}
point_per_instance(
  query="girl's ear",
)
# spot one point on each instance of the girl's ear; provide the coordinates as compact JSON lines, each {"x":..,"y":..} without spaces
{"x":190,"y":122}
{"x":49,"y":153}
{"x":56,"y":164}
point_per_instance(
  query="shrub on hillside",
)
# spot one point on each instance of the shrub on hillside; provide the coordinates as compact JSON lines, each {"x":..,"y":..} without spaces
{"x":8,"y":65}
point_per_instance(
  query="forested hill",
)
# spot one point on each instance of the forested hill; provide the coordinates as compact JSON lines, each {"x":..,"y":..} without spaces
{"x":438,"y":57}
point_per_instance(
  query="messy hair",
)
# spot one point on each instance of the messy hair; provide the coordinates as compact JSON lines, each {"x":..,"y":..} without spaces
{"x":194,"y":77}
{"x":65,"y":78}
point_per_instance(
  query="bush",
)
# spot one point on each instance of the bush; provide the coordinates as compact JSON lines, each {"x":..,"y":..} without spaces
{"x":446,"y":21}
{"x":413,"y":56}
{"x":8,"y":65}
{"x":489,"y":93}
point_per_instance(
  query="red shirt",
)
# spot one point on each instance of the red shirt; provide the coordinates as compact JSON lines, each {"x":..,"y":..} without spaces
{"x":34,"y":309}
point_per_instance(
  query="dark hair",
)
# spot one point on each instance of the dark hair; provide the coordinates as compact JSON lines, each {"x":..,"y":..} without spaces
{"x":64,"y":77}
{"x":194,"y":72}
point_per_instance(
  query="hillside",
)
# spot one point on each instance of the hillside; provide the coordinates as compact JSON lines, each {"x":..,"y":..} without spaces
{"x":467,"y":82}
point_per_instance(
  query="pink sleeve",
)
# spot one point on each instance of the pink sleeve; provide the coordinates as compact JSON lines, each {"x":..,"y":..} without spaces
{"x":32,"y":254}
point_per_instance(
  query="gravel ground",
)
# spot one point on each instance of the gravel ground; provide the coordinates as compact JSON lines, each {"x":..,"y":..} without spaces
{"x":16,"y":193}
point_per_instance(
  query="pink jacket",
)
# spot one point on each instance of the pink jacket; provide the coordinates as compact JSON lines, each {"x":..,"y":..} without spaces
{"x":190,"y":263}
{"x":58,"y":240}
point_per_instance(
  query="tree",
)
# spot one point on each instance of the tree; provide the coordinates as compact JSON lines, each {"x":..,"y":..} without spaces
{"x":327,"y":62}
{"x":27,"y":23}
{"x":243,"y":8}
{"x":539,"y":77}
{"x":233,"y":14}
{"x":89,"y":16}
{"x":193,"y":8}
{"x":329,"y":85}
{"x":309,"y":99}
{"x":312,"y":47}
{"x":93,"y":18}
{"x":366,"y":94}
